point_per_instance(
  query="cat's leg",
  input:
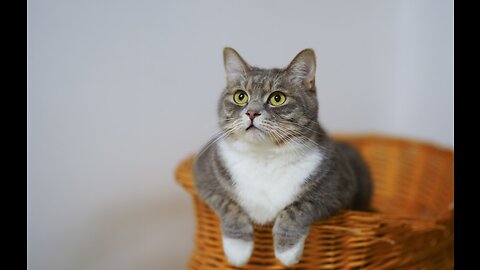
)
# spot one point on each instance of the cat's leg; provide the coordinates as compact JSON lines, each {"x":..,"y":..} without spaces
{"x":289,"y":233}
{"x":237,"y":230}
{"x":237,"y":238}
{"x":292,"y":223}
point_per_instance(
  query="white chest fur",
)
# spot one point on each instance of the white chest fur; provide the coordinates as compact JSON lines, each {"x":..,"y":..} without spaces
{"x":266,"y":182}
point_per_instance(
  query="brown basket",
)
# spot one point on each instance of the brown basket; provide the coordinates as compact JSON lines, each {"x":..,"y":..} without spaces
{"x":413,"y":228}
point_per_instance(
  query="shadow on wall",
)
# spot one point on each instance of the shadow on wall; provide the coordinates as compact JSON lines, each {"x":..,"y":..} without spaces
{"x":152,"y":235}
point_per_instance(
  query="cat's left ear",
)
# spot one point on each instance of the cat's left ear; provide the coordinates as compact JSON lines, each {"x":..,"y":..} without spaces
{"x":302,"y":68}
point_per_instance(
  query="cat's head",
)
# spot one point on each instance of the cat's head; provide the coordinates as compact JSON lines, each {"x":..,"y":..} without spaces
{"x":262,"y":106}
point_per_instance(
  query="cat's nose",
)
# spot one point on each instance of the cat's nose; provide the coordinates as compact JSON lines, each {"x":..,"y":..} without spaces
{"x":252,"y":114}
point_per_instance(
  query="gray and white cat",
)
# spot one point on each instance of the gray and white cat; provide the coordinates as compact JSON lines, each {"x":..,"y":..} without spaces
{"x":272,"y":161}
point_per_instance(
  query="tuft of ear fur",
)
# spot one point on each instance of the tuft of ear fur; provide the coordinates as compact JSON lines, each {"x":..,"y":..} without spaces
{"x":302,"y":68}
{"x":235,"y":66}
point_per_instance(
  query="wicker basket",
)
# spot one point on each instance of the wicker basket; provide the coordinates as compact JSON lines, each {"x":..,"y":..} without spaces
{"x":413,"y":228}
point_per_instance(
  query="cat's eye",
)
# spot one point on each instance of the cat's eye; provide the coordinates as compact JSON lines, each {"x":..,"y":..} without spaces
{"x":240,"y":97}
{"x":277,"y":98}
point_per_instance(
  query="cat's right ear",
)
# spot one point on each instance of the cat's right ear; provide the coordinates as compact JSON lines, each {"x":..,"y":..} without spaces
{"x":235,"y":66}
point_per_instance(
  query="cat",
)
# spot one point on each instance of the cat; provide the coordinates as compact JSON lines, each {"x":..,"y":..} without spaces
{"x":272,"y":162}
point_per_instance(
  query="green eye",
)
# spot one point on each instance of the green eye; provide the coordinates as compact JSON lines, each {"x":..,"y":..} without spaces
{"x":277,"y":98}
{"x":240,"y":97}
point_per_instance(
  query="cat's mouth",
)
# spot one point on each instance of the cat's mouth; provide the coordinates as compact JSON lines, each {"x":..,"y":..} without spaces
{"x":251,"y":127}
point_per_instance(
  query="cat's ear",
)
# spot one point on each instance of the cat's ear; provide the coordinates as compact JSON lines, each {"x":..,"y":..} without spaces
{"x":302,"y":68}
{"x":235,"y":66}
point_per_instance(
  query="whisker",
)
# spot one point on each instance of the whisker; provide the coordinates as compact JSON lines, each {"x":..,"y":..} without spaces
{"x":301,"y":126}
{"x":295,"y":135}
{"x":227,"y":131}
{"x":283,"y":137}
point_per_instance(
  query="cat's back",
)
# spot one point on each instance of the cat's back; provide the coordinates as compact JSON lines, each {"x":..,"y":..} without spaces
{"x":353,"y":159}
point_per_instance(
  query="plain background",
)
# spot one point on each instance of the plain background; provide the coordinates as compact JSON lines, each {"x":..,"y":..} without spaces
{"x":119,"y":92}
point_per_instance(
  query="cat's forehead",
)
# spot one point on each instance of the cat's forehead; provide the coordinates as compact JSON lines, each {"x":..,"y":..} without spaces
{"x":263,"y":80}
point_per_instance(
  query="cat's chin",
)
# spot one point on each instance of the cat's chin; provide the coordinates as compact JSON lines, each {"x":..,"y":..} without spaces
{"x":254,"y":136}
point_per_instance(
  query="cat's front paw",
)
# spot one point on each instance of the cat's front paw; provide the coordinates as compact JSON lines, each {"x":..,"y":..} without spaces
{"x":237,"y":238}
{"x":237,"y":251}
{"x":291,"y":255}
{"x":289,"y":238}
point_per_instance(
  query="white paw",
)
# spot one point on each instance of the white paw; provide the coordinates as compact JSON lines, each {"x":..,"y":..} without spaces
{"x":237,"y":251}
{"x":291,"y":256}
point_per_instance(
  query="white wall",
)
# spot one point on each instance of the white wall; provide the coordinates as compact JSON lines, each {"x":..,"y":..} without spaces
{"x":423,"y":99}
{"x":120,"y":91}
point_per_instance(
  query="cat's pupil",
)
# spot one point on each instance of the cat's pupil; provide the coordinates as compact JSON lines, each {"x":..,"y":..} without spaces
{"x":277,"y":98}
{"x":241,"y":96}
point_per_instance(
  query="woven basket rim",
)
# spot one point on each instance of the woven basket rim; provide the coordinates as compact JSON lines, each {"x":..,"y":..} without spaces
{"x":392,"y":138}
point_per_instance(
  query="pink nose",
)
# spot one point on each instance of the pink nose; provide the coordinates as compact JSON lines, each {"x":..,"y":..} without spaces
{"x":252,"y":114}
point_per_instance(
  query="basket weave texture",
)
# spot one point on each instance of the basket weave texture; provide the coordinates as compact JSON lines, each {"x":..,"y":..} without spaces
{"x":412,"y":227}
